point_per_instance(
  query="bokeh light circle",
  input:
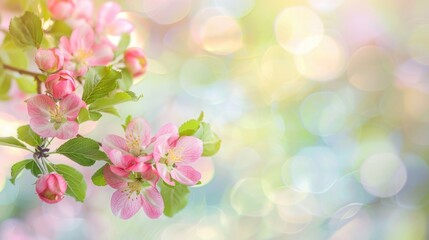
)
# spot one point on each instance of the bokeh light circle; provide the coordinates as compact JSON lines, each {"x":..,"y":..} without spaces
{"x":370,"y":69}
{"x":323,"y":113}
{"x":314,"y":169}
{"x":236,"y":8}
{"x":383,"y":175}
{"x":166,"y":11}
{"x":324,"y":62}
{"x":248,"y":197}
{"x":325,"y":5}
{"x":221,"y":35}
{"x":298,"y":29}
{"x":417,"y":44}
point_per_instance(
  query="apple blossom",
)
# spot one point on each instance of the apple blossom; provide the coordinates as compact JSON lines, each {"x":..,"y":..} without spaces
{"x":51,"y":187}
{"x":61,"y":9}
{"x":49,"y":60}
{"x":108,"y":21}
{"x":51,"y":119}
{"x":60,"y":84}
{"x":82,"y":50}
{"x":135,"y":61}
{"x":123,"y":164}
{"x":135,"y":192}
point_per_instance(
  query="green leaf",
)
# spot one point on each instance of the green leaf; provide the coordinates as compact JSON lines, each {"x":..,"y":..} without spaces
{"x":211,"y":141}
{"x":110,"y":101}
{"x":32,"y":166}
{"x":99,"y":82}
{"x":5,"y":84}
{"x":12,"y":142}
{"x":127,"y":121}
{"x":76,"y":185}
{"x":83,"y":151}
{"x":85,"y":115}
{"x":26,"y":134}
{"x":98,"y":177}
{"x":27,"y":84}
{"x":110,"y":110}
{"x":201,"y":117}
{"x":126,"y":80}
{"x":175,"y":197}
{"x":123,"y":44}
{"x":94,"y":116}
{"x":189,"y":128}
{"x":17,"y":169}
{"x":27,"y":29}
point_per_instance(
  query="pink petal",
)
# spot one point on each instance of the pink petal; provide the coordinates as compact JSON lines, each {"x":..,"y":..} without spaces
{"x":186,"y":175}
{"x":43,"y":127}
{"x":40,"y":106}
{"x":164,"y":174}
{"x":114,"y":180}
{"x":82,"y":39}
{"x":152,"y":202}
{"x":150,"y":174}
{"x":102,"y":55}
{"x":65,"y":48}
{"x":125,"y":204}
{"x":119,"y":27}
{"x":118,"y":171}
{"x":161,"y":147}
{"x":138,"y":129}
{"x":107,"y":14}
{"x":67,"y":130}
{"x":189,"y":148}
{"x":116,"y":157}
{"x":114,"y":142}
{"x":168,"y":128}
{"x":71,"y":106}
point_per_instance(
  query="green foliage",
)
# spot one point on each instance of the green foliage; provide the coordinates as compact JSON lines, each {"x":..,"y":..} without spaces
{"x":175,"y":197}
{"x":17,"y":169}
{"x":189,"y":128}
{"x":123,"y":44}
{"x":12,"y":142}
{"x":76,"y":185}
{"x":98,"y":177}
{"x":83,"y":151}
{"x":110,"y":101}
{"x":26,"y":84}
{"x":86,"y":115}
{"x":27,"y":30}
{"x":34,"y":169}
{"x":5,"y":84}
{"x":126,"y":80}
{"x":211,"y":141}
{"x":99,"y":82}
{"x":26,"y":134}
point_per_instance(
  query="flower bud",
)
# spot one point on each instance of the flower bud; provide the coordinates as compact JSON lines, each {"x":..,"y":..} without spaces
{"x":61,"y":9}
{"x":49,"y":60}
{"x":60,"y":84}
{"x":51,"y":187}
{"x":135,"y":61}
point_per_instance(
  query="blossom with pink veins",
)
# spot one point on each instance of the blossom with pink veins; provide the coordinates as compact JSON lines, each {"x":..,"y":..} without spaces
{"x":82,"y":50}
{"x":136,"y":143}
{"x":173,"y":155}
{"x":108,"y":21}
{"x":51,"y":119}
{"x":124,"y":164}
{"x":135,"y":192}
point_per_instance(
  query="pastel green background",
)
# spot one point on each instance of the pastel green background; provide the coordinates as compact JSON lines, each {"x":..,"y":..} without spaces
{"x":322,"y":106}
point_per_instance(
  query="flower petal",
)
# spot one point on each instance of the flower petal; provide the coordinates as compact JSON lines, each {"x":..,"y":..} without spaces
{"x":102,"y":55}
{"x":152,"y":202}
{"x":138,"y":129}
{"x":116,"y":157}
{"x":67,"y":130}
{"x":119,"y":27}
{"x":164,"y":174}
{"x":168,"y":128}
{"x":43,"y":127}
{"x":189,"y":149}
{"x":125,"y":204}
{"x":40,"y":106}
{"x":107,"y":14}
{"x":114,"y":142}
{"x":161,"y":147}
{"x":71,"y":106}
{"x":114,"y":180}
{"x":82,"y":39}
{"x":186,"y":175}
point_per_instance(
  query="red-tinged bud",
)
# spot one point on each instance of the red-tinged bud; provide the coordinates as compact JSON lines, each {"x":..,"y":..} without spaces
{"x":51,"y":187}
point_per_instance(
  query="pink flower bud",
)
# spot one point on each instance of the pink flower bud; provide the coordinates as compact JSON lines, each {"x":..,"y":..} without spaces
{"x":60,"y":84}
{"x":61,"y":9}
{"x":51,"y":187}
{"x":49,"y":60}
{"x":135,"y":61}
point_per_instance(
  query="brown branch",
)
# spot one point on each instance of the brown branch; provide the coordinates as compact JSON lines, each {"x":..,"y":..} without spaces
{"x":22,"y":71}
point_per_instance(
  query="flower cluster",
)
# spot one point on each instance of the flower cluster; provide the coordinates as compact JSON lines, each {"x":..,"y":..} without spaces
{"x":139,"y":160}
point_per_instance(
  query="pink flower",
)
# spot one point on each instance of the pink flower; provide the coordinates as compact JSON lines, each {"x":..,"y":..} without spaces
{"x":51,"y":187}
{"x":173,"y":156}
{"x":49,"y":60}
{"x":61,"y":9}
{"x":60,"y":84}
{"x":124,"y":164}
{"x":50,"y":119}
{"x":82,"y":51}
{"x":135,"y":192}
{"x":135,"y":61}
{"x":109,"y":23}
{"x":136,"y":142}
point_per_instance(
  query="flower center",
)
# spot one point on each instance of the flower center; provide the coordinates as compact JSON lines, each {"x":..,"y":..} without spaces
{"x":135,"y":186}
{"x":57,"y":117}
{"x":82,"y":54}
{"x":173,"y":157}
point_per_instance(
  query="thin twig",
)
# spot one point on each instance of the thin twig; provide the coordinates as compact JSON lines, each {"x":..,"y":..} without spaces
{"x":38,"y":85}
{"x":22,"y":71}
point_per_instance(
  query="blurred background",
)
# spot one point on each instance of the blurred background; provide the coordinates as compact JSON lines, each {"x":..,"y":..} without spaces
{"x":322,"y":106}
